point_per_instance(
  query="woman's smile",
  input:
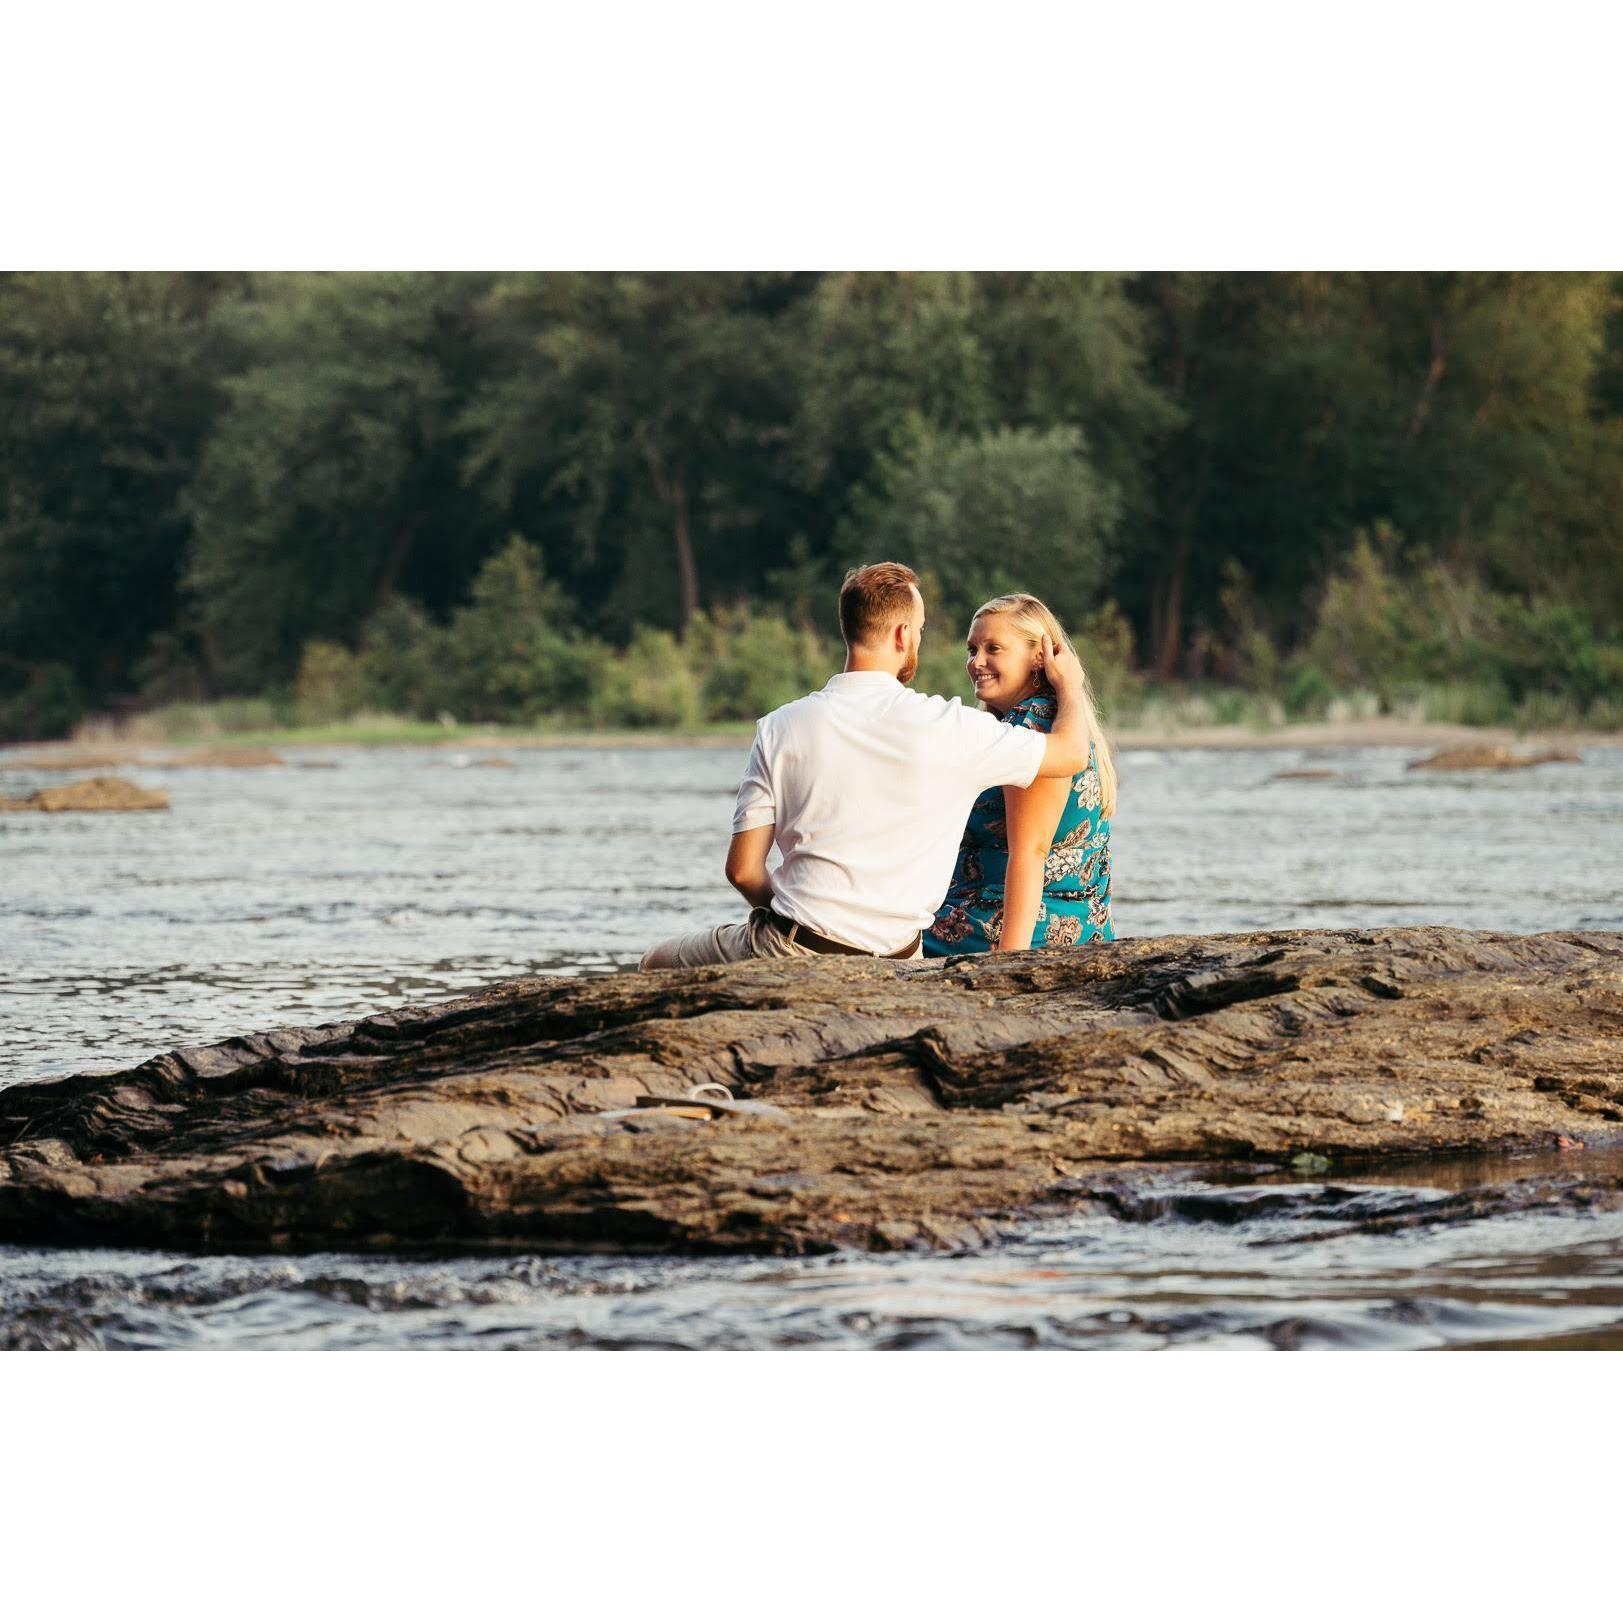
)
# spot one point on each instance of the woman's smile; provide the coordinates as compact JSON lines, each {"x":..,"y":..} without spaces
{"x":1001,"y":664}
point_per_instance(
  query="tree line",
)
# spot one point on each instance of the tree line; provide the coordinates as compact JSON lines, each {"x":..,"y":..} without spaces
{"x":245,"y":484}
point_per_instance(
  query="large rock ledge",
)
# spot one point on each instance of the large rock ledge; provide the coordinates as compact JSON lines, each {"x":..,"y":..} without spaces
{"x":926,"y":1104}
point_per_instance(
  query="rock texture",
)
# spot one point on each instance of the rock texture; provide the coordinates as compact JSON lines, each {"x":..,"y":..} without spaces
{"x":91,"y":794}
{"x":927,"y":1104}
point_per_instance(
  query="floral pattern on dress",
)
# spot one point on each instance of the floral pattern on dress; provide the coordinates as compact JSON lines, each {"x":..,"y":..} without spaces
{"x":1075,"y":906}
{"x":1067,"y":859}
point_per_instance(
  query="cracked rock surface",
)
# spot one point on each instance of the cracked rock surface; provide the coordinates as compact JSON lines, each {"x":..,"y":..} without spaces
{"x":929,"y":1104}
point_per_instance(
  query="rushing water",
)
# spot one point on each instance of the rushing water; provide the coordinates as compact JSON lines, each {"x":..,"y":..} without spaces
{"x":293,"y":895}
{"x":1231,"y":1271}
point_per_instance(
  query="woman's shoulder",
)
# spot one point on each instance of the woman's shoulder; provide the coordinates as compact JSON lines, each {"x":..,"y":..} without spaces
{"x":1037,"y":712}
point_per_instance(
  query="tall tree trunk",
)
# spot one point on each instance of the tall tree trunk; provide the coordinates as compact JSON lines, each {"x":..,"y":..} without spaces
{"x":687,"y":570}
{"x":1434,"y":376}
{"x":1167,"y":610}
{"x":399,"y":548}
{"x":1166,"y":597}
{"x":673,"y":488}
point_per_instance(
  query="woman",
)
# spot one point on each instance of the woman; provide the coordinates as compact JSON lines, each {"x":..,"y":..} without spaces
{"x":1034,"y":865}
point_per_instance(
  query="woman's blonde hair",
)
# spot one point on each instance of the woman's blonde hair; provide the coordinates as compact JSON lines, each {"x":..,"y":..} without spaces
{"x":1032,"y":618}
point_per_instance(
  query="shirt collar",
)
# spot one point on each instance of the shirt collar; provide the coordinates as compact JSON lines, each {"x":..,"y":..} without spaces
{"x":860,"y":679}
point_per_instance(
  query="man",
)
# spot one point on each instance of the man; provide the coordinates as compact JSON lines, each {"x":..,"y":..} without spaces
{"x":865,"y":788}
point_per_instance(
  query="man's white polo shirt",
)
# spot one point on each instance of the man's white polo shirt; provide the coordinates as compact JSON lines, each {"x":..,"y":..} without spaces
{"x":869,"y":785}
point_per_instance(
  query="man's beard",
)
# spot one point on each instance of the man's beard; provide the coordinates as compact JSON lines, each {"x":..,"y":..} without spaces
{"x":910,"y":669}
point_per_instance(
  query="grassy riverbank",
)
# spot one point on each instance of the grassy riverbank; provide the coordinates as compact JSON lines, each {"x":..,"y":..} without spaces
{"x":1132,"y":708}
{"x":1415,"y":649}
{"x":206,"y":728}
{"x":143,"y":740}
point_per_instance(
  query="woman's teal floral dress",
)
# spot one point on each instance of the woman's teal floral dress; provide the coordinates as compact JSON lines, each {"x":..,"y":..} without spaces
{"x":1076,"y":877}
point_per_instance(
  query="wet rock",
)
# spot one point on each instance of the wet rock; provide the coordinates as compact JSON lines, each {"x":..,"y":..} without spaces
{"x":1482,"y":757}
{"x":927,"y":1104}
{"x":91,"y":794}
{"x":1395,"y":1211}
{"x":1313,"y":774}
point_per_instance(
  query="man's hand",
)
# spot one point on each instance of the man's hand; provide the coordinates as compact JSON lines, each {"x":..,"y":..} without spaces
{"x":1063,"y":670}
{"x":746,"y":865}
{"x":1066,"y":751}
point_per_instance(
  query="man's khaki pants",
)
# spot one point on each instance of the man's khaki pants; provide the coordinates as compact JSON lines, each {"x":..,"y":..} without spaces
{"x":755,"y":937}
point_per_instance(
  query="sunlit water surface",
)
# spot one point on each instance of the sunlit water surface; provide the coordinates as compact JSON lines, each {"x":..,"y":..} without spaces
{"x":293,"y":895}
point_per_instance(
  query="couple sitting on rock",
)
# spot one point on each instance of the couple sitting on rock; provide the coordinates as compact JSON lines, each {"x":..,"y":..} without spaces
{"x":909,"y":826}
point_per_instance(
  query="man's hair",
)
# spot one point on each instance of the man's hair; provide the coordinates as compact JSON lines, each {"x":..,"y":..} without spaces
{"x":872,"y":599}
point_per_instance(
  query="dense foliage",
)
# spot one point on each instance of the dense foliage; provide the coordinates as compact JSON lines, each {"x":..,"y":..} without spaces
{"x":628,"y":499}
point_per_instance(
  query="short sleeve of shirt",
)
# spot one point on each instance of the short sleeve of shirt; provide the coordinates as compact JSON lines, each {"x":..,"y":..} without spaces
{"x":756,"y":806}
{"x":993,"y":754}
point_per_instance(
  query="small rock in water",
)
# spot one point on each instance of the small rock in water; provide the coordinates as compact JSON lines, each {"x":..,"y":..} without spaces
{"x":1309,"y":1162}
{"x":1479,"y":757}
{"x":237,"y":755}
{"x":91,"y":794}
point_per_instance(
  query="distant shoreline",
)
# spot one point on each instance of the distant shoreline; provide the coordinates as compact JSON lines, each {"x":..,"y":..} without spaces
{"x":104,"y":750}
{"x":1388,"y":733}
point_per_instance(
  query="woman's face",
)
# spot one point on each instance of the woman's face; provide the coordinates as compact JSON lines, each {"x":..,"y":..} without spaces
{"x":1002,"y":664}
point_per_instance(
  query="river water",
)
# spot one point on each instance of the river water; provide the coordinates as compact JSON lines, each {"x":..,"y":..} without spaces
{"x":352,"y":880}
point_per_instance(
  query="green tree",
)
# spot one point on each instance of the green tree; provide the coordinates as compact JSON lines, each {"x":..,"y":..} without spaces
{"x":750,"y":663}
{"x":645,"y":410}
{"x":962,"y":354}
{"x":1009,"y":510}
{"x":333,"y":478}
{"x":511,"y":652}
{"x":1069,"y":348}
{"x":875,"y":351}
{"x":108,"y":383}
{"x":1455,"y":405}
{"x":202,"y":477}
